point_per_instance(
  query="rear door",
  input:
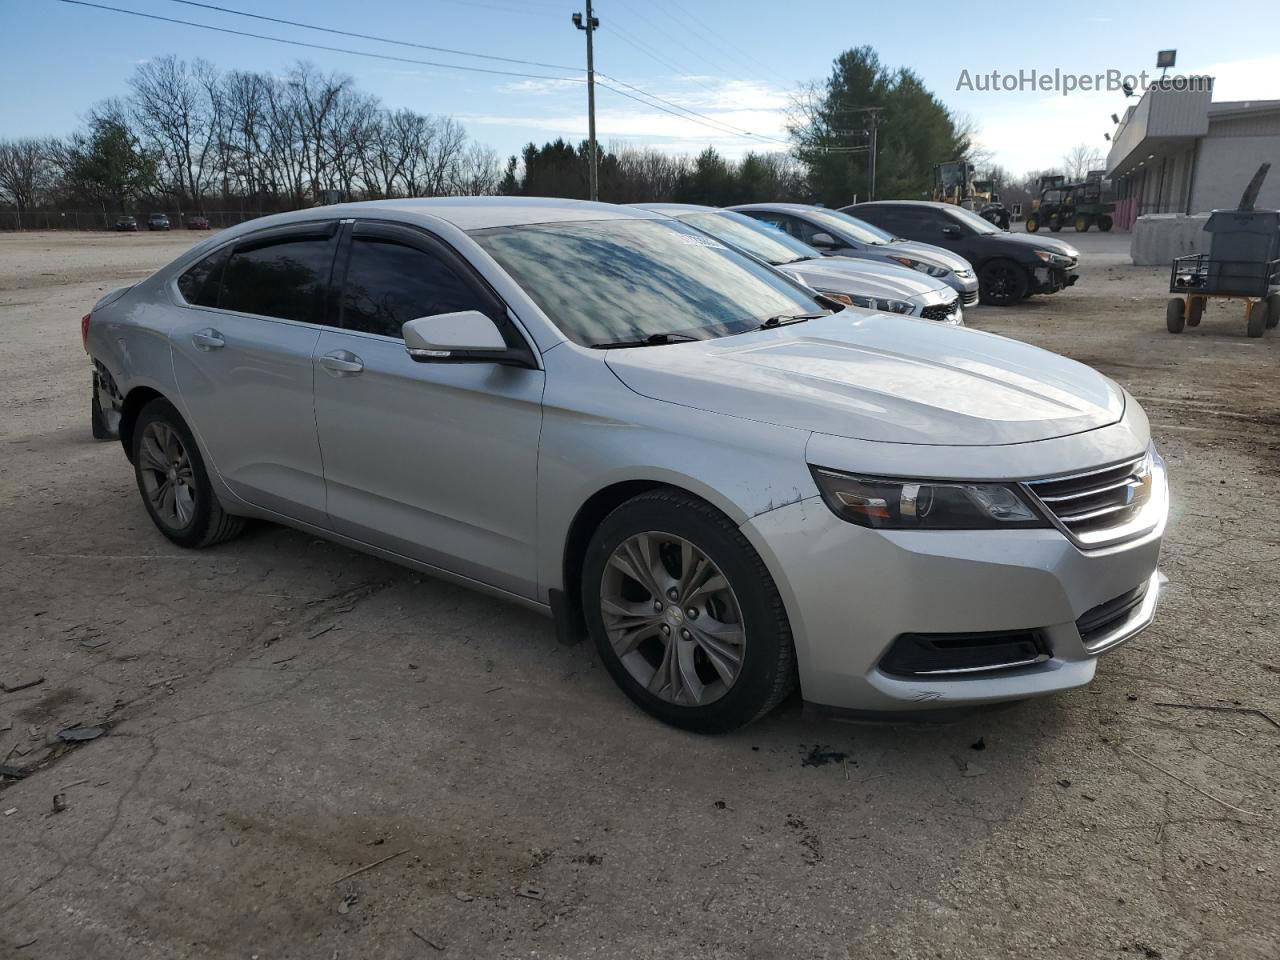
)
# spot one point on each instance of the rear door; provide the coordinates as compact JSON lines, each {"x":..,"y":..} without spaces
{"x":435,"y":461}
{"x":242,"y":356}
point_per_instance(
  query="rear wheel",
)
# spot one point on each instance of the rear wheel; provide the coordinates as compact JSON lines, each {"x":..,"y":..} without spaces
{"x":1195,"y":311}
{"x":1273,"y":310}
{"x":1175,"y":315}
{"x":173,"y":482}
{"x":1003,"y":283}
{"x":1257,"y":318}
{"x":1083,"y":224}
{"x":1033,"y":224}
{"x":685,"y":615}
{"x":1104,"y":223}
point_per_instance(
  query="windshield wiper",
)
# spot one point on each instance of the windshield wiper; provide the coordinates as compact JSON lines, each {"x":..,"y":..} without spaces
{"x":796,"y":260}
{"x":782,"y":319}
{"x":652,"y":340}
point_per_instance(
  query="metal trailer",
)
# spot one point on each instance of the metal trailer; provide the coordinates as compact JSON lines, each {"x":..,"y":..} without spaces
{"x":1243,"y":263}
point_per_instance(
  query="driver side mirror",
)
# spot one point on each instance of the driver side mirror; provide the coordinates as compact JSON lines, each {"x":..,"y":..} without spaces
{"x":823,"y":241}
{"x":467,"y":336}
{"x":952,"y":232}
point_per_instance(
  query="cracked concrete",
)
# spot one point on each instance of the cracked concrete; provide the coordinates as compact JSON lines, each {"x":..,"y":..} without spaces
{"x":284,"y":711}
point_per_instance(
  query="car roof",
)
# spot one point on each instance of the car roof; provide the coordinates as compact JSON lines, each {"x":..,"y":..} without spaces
{"x":904,"y":203}
{"x":674,"y":207}
{"x":792,"y":207}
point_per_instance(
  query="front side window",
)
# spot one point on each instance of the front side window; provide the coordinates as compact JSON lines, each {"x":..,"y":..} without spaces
{"x":282,"y":279}
{"x":200,"y":284}
{"x":852,"y":227}
{"x":389,"y":284}
{"x":975,"y":223}
{"x":617,"y":280}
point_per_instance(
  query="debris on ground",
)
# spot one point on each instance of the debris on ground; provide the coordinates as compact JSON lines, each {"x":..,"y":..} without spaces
{"x":464,"y":897}
{"x":979,"y":744}
{"x":346,"y":903}
{"x":427,"y":940}
{"x":1224,"y":709}
{"x":59,"y":802}
{"x":370,"y":866}
{"x":78,"y":734}
{"x":1064,"y":783}
{"x":531,"y":891}
{"x":24,"y":684}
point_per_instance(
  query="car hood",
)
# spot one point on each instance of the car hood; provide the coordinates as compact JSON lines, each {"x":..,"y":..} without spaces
{"x":868,"y":278}
{"x":931,"y":254}
{"x":872,"y":376}
{"x":1042,"y":243}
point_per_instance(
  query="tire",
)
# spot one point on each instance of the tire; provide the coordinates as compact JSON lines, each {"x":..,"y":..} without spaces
{"x":1033,"y":224}
{"x":1258,"y":318}
{"x":670,"y":529}
{"x":1273,"y":310}
{"x":196,"y":518}
{"x":1195,"y":311}
{"x":1175,"y":315}
{"x":1104,"y":223}
{"x":1083,"y":224}
{"x":1055,"y":222}
{"x":1002,"y":283}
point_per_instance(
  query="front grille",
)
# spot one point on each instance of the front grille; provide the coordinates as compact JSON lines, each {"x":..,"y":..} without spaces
{"x":1092,"y":507}
{"x":939,"y":311}
{"x":969,"y":298}
{"x":1095,"y":624}
{"x":960,"y":655}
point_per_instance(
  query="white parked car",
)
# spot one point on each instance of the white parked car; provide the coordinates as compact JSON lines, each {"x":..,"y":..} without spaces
{"x":858,"y":283}
{"x":612,"y":418}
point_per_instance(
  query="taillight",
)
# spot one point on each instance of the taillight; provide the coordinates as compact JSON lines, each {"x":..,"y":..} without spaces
{"x":84,"y":331}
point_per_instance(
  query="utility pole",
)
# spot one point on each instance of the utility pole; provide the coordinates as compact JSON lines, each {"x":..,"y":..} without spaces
{"x":590,"y":26}
{"x":871,"y":157}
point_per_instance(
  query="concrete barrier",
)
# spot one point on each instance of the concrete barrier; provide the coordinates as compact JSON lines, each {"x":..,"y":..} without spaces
{"x":1160,"y":237}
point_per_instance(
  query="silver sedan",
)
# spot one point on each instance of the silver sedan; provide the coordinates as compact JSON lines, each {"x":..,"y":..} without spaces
{"x":613,"y":418}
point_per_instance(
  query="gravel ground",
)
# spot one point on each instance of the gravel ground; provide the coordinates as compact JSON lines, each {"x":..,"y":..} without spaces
{"x":283,"y":712}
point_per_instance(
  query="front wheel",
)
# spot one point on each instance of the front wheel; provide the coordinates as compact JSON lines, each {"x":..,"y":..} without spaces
{"x":1195,"y":312}
{"x":1002,"y":283}
{"x":1175,"y":315}
{"x":1273,"y":310}
{"x":1032,"y":224}
{"x":685,"y":615}
{"x":173,"y":482}
{"x":1257,"y":318}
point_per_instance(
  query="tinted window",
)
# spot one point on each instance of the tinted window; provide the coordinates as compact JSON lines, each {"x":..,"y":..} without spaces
{"x":389,"y":284}
{"x":199,"y":285}
{"x":609,"y":280}
{"x":277,"y":280}
{"x":756,"y":237}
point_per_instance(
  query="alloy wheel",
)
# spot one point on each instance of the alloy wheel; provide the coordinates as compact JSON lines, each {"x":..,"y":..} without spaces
{"x":167,"y":476}
{"x":672,"y":618}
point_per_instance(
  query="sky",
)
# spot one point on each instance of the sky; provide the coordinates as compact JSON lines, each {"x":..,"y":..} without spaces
{"x":739,"y":63}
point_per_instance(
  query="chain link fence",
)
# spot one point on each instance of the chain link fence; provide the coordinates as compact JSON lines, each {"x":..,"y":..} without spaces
{"x":98,"y":220}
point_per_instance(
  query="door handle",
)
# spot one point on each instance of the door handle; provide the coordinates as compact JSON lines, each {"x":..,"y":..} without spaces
{"x":208,"y":339}
{"x":342,"y":363}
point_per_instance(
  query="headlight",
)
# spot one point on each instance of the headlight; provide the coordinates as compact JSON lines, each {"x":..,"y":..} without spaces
{"x":1053,"y":259}
{"x":878,"y":303}
{"x":838,"y":297}
{"x":925,"y":504}
{"x":928,"y":268}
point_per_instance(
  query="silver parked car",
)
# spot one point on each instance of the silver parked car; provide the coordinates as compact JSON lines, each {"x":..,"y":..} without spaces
{"x":858,"y":283}
{"x":838,"y":234}
{"x":613,"y":418}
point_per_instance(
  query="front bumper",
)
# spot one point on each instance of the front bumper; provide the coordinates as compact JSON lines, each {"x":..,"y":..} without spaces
{"x":1052,"y":279}
{"x":966,"y":285}
{"x":851,"y":593}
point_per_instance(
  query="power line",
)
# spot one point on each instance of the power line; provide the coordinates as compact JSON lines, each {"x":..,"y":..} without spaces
{"x":321,"y":46}
{"x":366,"y":36}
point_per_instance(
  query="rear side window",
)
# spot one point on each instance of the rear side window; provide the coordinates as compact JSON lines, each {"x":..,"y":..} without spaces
{"x":281,"y":280}
{"x":199,"y":285}
{"x":389,"y":284}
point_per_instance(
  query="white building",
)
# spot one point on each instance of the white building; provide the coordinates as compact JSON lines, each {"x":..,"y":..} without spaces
{"x":1178,"y":152}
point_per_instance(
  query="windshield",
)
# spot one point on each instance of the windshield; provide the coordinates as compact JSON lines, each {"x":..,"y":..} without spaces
{"x":859,"y":230}
{"x":758,"y":238}
{"x":606,"y":281}
{"x":973,"y":221}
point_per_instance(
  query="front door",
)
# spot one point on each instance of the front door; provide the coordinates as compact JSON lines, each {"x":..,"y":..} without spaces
{"x":242,"y":358}
{"x":435,"y":461}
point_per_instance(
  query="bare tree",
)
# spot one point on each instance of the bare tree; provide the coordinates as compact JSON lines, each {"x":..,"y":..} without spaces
{"x":26,"y":169}
{"x":172,"y":104}
{"x":1079,"y":160}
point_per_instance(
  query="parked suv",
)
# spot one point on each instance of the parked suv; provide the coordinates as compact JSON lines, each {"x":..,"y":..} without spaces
{"x":1011,"y":266}
{"x":125,"y":224}
{"x":158,"y":221}
{"x":858,"y":283}
{"x":611,"y":418}
{"x":837,"y":234}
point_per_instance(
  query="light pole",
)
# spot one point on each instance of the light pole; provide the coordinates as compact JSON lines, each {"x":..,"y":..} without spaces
{"x":591,"y":25}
